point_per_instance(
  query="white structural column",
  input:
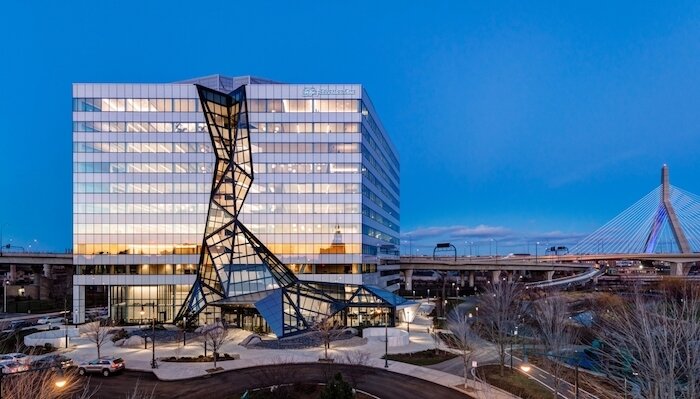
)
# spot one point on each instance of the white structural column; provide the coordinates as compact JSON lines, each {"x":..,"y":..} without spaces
{"x":47,"y":270}
{"x":461,"y":278}
{"x":550,"y":275}
{"x":496,"y":277}
{"x":677,"y":269}
{"x":408,"y":278}
{"x":471,"y":279}
{"x":13,"y":273}
{"x":78,"y":303}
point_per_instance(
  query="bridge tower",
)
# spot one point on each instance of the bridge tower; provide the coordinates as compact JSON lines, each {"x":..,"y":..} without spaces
{"x":666,"y":213}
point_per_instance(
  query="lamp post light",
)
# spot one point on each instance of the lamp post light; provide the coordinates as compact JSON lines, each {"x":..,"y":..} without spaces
{"x":386,"y":339}
{"x":407,"y":313}
{"x":457,"y":291}
{"x":428,"y":294}
{"x":515,"y":336}
{"x":634,"y":373}
{"x":153,"y":345}
{"x":4,"y":293}
{"x":537,"y":244}
{"x":453,"y":288}
{"x":65,"y":320}
{"x":145,"y":338}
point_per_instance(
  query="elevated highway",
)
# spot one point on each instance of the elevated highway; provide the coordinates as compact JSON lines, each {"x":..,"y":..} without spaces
{"x":469,"y":266}
{"x":40,"y":258}
{"x":10,"y":261}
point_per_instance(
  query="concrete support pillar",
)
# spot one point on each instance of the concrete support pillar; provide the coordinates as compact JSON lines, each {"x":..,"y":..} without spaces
{"x":47,"y":271}
{"x":13,"y":274}
{"x":496,"y":277}
{"x":408,"y":278}
{"x":510,"y":277}
{"x":461,"y":278}
{"x":550,"y":275}
{"x":78,"y":303}
{"x":677,"y":269}
{"x":471,"y":279}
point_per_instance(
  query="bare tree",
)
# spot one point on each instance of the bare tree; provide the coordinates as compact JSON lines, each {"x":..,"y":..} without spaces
{"x":139,"y":393}
{"x":45,"y":384}
{"x":460,"y":324}
{"x":359,"y":360}
{"x":551,"y":315}
{"x":215,"y":336}
{"x":328,"y":329}
{"x":96,"y":334}
{"x":500,"y":306}
{"x":652,"y":344}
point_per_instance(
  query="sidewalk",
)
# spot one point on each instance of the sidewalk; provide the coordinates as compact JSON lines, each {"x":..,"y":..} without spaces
{"x":140,"y":359}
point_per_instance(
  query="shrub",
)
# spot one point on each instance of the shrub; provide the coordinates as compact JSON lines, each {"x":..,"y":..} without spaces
{"x":120,"y":334}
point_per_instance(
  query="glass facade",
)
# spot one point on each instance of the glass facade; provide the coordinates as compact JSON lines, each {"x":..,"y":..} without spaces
{"x":325,"y":199}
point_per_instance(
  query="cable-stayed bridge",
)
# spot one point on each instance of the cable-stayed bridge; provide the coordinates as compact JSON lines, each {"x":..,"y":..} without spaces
{"x":663,"y":226}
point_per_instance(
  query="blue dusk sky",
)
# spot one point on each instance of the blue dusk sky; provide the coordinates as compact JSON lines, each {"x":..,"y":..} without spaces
{"x":515,"y":121}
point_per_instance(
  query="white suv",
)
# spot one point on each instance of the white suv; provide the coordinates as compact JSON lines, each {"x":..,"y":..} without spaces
{"x":104,"y":366}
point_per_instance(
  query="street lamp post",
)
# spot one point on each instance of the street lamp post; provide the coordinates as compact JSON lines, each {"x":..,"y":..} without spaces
{"x":153,"y":345}
{"x":145,"y":338}
{"x":4,"y":293}
{"x":537,"y":244}
{"x":515,"y":336}
{"x":386,"y":339}
{"x":65,"y":320}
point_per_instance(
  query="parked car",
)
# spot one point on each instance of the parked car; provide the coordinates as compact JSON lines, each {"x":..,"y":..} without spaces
{"x":53,"y":361}
{"x":104,"y":366}
{"x":19,"y":324}
{"x":51,"y":320}
{"x":10,"y":367}
{"x":15,"y":357}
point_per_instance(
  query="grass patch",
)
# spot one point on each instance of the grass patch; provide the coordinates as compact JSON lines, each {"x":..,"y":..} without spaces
{"x":513,"y":382}
{"x":422,"y":358}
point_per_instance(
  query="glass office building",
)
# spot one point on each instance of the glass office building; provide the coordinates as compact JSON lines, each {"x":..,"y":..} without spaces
{"x":325,"y":199}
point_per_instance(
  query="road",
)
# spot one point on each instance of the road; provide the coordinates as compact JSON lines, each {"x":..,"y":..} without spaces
{"x":384,"y":384}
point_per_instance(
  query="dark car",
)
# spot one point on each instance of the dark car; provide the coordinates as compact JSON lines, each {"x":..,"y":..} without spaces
{"x":19,"y":324}
{"x":53,"y":361}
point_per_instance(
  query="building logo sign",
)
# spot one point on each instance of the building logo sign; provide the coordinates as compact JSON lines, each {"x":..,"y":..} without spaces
{"x":315,"y":92}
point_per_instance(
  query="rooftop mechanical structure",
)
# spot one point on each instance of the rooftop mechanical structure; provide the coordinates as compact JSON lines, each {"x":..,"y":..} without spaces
{"x":235,"y":267}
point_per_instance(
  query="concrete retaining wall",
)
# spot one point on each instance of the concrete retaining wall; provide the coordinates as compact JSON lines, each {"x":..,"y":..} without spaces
{"x":396,"y":337}
{"x":57,"y":338}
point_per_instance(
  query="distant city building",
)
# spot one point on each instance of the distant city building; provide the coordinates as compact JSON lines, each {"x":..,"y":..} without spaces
{"x":325,"y":199}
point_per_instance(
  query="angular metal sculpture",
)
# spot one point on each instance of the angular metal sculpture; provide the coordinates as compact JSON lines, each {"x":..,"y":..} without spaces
{"x":234,"y":263}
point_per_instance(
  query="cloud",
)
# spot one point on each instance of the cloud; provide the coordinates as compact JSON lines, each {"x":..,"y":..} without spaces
{"x":484,"y":238}
{"x":458,"y":232}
